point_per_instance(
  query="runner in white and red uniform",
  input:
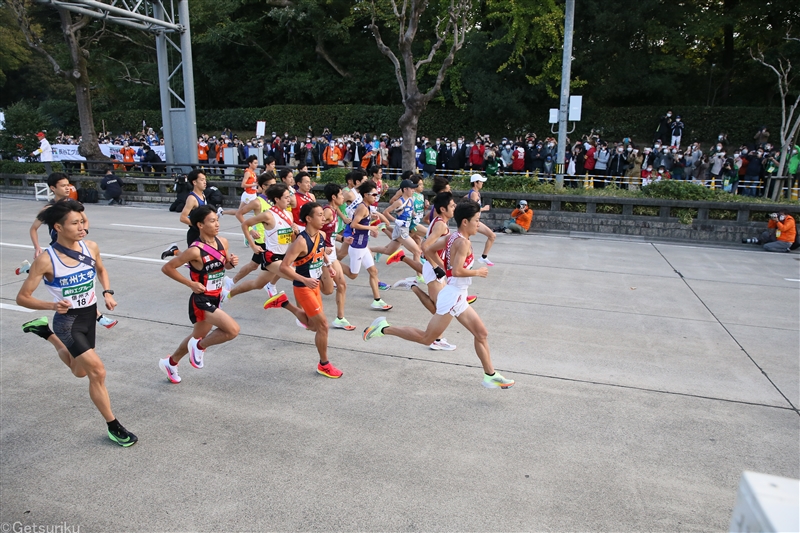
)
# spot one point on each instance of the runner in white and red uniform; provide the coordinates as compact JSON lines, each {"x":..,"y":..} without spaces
{"x":452,"y":299}
{"x":333,"y":228}
{"x":207,"y":257}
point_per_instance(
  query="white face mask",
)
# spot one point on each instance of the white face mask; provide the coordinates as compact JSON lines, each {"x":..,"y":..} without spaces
{"x":660,"y":171}
{"x":657,"y":146}
{"x":735,"y":155}
{"x":669,"y":114}
{"x":744,"y":151}
{"x":649,"y":169}
{"x":719,"y":147}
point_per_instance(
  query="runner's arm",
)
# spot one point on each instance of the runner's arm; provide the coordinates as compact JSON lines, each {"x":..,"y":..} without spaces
{"x":233,"y":259}
{"x":102,"y":274}
{"x":171,"y":268}
{"x":34,"y":232}
{"x":297,"y":248}
{"x":254,"y":206}
{"x":41,"y":266}
{"x":360,"y":210}
{"x":191,"y":203}
{"x":458,"y":254}
{"x":263,"y":217}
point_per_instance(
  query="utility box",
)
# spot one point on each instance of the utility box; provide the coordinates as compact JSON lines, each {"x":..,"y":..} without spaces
{"x":766,"y":503}
{"x":231,"y":154}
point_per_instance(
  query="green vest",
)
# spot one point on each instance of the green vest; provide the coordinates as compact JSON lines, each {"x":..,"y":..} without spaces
{"x":430,"y":156}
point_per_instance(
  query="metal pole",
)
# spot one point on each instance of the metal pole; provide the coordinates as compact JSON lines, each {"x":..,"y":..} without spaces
{"x":563,"y":111}
{"x":190,"y":129}
{"x":163,"y":88}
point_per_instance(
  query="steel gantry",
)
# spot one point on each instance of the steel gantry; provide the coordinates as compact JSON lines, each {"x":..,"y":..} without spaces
{"x":169,"y":21}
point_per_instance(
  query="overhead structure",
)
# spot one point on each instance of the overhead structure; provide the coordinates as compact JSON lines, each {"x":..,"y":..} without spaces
{"x":563,"y":110}
{"x":169,"y":21}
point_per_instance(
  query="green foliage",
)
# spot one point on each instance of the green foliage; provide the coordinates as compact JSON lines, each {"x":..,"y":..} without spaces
{"x":15,"y":167}
{"x":721,"y":214}
{"x":23,"y":121}
{"x":677,"y":190}
{"x":573,"y":207}
{"x":684,"y":216}
{"x":646,"y":211}
{"x":332,"y":175}
{"x":609,"y":209}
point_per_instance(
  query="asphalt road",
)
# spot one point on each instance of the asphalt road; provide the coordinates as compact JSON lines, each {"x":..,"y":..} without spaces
{"x":649,"y":376}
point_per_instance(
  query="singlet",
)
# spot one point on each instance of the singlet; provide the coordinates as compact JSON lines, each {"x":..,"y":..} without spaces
{"x":350,"y":210}
{"x":73,"y":283}
{"x":310,"y":265}
{"x":332,"y":228}
{"x":419,"y":207}
{"x":279,"y":237}
{"x":469,"y":196}
{"x":361,"y":236}
{"x":250,"y":181}
{"x":457,"y":281}
{"x":265,"y":205}
{"x":200,"y":201}
{"x":441,"y":252}
{"x":213,"y":272}
{"x":302,"y":199}
{"x":407,"y":214}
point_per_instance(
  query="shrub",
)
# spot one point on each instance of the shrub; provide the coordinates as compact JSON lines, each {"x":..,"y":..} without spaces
{"x":15,"y":167}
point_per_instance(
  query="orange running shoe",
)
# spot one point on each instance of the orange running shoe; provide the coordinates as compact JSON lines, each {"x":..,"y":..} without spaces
{"x":328,"y":370}
{"x":276,"y":301}
{"x":471,"y":299}
{"x":395,"y":257}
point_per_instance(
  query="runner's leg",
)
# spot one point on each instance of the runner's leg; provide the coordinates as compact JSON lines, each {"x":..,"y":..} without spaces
{"x":470,"y":320}
{"x":434,"y":331}
{"x":88,"y":363}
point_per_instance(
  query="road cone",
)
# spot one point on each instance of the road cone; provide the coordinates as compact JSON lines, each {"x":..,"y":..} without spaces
{"x":794,"y":192}
{"x":319,"y":173}
{"x":83,"y":168}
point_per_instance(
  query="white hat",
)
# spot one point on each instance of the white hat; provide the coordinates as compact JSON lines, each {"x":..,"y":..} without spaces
{"x":476,"y":177}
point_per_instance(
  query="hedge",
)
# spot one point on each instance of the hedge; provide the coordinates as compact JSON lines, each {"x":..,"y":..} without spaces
{"x":702,"y":123}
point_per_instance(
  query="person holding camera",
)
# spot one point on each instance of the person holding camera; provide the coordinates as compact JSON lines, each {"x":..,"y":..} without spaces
{"x":520,"y":221}
{"x":780,"y":234}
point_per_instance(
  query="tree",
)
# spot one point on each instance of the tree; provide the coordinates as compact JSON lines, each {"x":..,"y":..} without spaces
{"x":790,"y":117}
{"x":77,"y":75}
{"x":451,"y":24}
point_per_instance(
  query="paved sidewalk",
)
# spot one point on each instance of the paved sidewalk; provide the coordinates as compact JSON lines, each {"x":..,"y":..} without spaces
{"x":649,"y":376}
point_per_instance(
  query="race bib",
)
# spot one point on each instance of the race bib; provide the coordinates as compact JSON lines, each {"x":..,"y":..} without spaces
{"x":214,"y":281}
{"x":80,"y":295}
{"x":315,"y":269}
{"x":285,"y":236}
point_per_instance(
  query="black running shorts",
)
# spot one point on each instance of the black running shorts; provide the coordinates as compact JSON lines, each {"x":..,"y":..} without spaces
{"x":259,"y":257}
{"x":76,"y":329}
{"x":270,"y":258}
{"x":200,"y":304}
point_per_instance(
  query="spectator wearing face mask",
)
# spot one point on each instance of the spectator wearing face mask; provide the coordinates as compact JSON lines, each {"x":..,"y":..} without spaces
{"x":761,"y":137}
{"x":590,"y":159}
{"x":677,"y":128}
{"x":718,"y":158}
{"x":617,"y":164}
{"x":662,"y":174}
{"x":647,"y":175}
{"x":780,"y":235}
{"x":730,"y":176}
{"x":518,"y":158}
{"x":506,"y":154}
{"x":664,"y":128}
{"x":753,"y":174}
{"x":520,"y":221}
{"x":476,"y":156}
{"x":602,"y":156}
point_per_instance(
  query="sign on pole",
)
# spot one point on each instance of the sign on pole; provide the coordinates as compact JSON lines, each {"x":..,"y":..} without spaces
{"x":553,"y":116}
{"x":261,"y":128}
{"x":575,"y":107}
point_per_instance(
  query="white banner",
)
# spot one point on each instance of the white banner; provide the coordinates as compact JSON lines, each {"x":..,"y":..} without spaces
{"x":69,"y":152}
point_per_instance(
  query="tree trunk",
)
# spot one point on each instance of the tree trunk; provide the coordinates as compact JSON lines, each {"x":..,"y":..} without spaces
{"x":79,"y":77}
{"x":408,"y":127}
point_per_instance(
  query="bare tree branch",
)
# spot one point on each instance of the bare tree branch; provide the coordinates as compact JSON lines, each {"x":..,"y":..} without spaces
{"x":385,"y":50}
{"x":128,"y":77}
{"x":124,"y":37}
{"x":323,"y":53}
{"x":33,"y":40}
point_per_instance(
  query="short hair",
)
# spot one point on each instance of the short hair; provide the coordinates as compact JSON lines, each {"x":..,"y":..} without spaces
{"x":366,"y":187}
{"x":439,"y":184}
{"x":276,"y":191}
{"x":251,"y":158}
{"x":466,"y":210}
{"x":55,"y":177}
{"x":268,"y":160}
{"x":194,"y":174}
{"x":407,"y":175}
{"x":200,"y":213}
{"x":372,"y":170}
{"x":442,"y":201}
{"x":306,"y":210}
{"x":265,"y":177}
{"x":282,"y":173}
{"x":301,"y":175}
{"x":57,"y":212}
{"x":415,"y":179}
{"x":331,"y":190}
{"x":357,"y":174}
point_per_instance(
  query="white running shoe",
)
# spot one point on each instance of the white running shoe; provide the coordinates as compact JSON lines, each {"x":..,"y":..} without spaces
{"x":271,"y":289}
{"x":442,"y":344}
{"x":219,"y":212}
{"x":380,"y":305}
{"x":227,"y":285}
{"x":106,"y":322}
{"x":172,"y":371}
{"x":486,"y":261}
{"x":405,"y":284}
{"x":195,"y":354}
{"x":300,"y":324}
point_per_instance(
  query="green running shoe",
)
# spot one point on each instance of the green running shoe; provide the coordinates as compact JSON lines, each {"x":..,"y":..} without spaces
{"x":38,"y":327}
{"x":497,"y":381}
{"x":376,"y":328}
{"x":122,"y":436}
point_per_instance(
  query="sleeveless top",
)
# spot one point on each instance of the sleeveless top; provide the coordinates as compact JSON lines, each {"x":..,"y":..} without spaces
{"x":302,"y":199}
{"x":469,"y":196}
{"x":407,"y":214}
{"x":419,"y":207}
{"x":361,"y":236}
{"x":310,"y":265}
{"x":249,"y":181}
{"x":265,"y":205}
{"x":73,"y":283}
{"x":332,"y":228}
{"x":213,"y":272}
{"x":279,"y":237}
{"x":441,"y":252}
{"x":459,"y":282}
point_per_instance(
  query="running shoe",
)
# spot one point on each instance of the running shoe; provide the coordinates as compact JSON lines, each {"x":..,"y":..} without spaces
{"x":395,"y":257}
{"x":277,"y":301}
{"x":300,"y":324}
{"x":219,"y":212}
{"x":24,"y":268}
{"x":405,"y":284}
{"x":486,"y":261}
{"x":107,"y":323}
{"x":379,"y":224}
{"x":195,"y":353}
{"x":507,"y":231}
{"x":342,"y":323}
{"x":497,"y":381}
{"x":172,"y":371}
{"x":471,"y":299}
{"x":420,"y":279}
{"x":328,"y":370}
{"x":38,"y":327}
{"x":376,"y":328}
{"x":122,"y":436}
{"x":271,"y":289}
{"x":227,"y":285}
{"x":172,"y":251}
{"x":384,"y":286}
{"x":377,"y":257}
{"x":380,"y":305}
{"x":442,"y":344}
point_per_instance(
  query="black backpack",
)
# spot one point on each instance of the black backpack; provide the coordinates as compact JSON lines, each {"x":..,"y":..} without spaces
{"x":214,"y":196}
{"x":88,"y":196}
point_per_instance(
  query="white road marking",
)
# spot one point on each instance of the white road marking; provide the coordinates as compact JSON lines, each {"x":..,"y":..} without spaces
{"x":787,"y":279}
{"x":12,"y":307}
{"x":112,"y":256}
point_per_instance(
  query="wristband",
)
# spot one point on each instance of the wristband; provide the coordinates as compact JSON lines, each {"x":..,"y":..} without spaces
{"x":439,"y":272}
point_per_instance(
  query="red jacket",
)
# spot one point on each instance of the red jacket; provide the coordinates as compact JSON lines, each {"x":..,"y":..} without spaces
{"x":476,"y":154}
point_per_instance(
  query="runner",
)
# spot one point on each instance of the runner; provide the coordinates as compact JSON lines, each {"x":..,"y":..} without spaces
{"x":208,"y":257}
{"x":452,"y":300}
{"x":351,"y":198}
{"x":278,"y":235}
{"x":475,"y":195}
{"x":58,"y":182}
{"x":440,"y":184}
{"x":402,"y":223}
{"x":332,"y":229}
{"x":257,"y":206}
{"x":196,"y":198}
{"x":360,"y":254}
{"x":303,"y":195}
{"x":249,"y":181}
{"x":71,"y":268}
{"x":311,"y":270}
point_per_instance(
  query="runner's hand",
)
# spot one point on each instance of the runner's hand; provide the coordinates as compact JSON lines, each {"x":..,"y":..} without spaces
{"x":482,"y":272}
{"x":254,"y":234}
{"x":62,"y":306}
{"x":373,"y":232}
{"x":348,"y":240}
{"x":311,"y":283}
{"x":233,"y":259}
{"x":111,"y":303}
{"x":332,"y":272}
{"x":256,"y":249}
{"x":198,"y":288}
{"x":37,"y":252}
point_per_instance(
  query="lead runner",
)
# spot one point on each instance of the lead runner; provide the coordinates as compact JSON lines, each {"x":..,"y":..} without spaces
{"x":452,"y":299}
